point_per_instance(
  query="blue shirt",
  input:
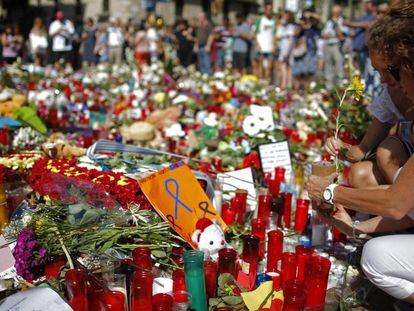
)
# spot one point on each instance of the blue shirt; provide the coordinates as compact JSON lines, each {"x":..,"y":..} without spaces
{"x":358,"y":43}
{"x":240,"y":45}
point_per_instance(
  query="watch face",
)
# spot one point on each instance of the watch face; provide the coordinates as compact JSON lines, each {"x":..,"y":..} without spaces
{"x":327,"y":195}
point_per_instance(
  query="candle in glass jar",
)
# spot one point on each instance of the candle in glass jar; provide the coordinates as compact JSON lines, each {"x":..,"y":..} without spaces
{"x":287,"y":209}
{"x":228,"y":213}
{"x":178,"y":280}
{"x":289,"y":266}
{"x":294,"y":293}
{"x":112,"y":300}
{"x":162,"y":302}
{"x":227,"y":261}
{"x":301,"y":215}
{"x":317,"y":281}
{"x":210,"y":274}
{"x":274,"y":250}
{"x":141,"y":290}
{"x":194,"y":279}
{"x":77,"y":288}
{"x":280,"y":174}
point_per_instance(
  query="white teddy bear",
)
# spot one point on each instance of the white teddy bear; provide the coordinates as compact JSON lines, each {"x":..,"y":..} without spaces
{"x":209,"y":237}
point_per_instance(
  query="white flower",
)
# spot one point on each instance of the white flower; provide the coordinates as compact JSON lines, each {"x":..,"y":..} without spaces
{"x":251,"y":126}
{"x":175,"y":130}
{"x":211,"y":119}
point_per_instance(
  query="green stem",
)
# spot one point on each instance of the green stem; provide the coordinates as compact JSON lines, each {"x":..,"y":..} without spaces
{"x":337,"y":126}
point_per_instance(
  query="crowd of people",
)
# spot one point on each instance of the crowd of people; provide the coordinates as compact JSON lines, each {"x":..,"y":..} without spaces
{"x":283,"y":48}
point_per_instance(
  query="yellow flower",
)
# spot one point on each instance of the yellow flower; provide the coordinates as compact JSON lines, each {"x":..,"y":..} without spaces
{"x":357,"y":88}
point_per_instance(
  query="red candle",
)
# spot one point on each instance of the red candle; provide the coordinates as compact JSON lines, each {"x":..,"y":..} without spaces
{"x":303,"y":254}
{"x":274,"y":250}
{"x":266,"y":178}
{"x":280,"y":174}
{"x":112,"y":300}
{"x":228,"y":214}
{"x":294,"y":296}
{"x":162,"y":302}
{"x":289,"y":265}
{"x":77,"y":289}
{"x":250,"y":255}
{"x":142,"y":257}
{"x":4,"y":136}
{"x":141,"y":290}
{"x":259,"y":231}
{"x":227,"y":261}
{"x":276,"y":279}
{"x":178,"y":280}
{"x":241,"y":202}
{"x":177,"y":255}
{"x":301,"y":215}
{"x":264,"y":205}
{"x":317,"y":281}
{"x":210,"y":274}
{"x":287,"y":209}
{"x":274,"y":187}
{"x":280,"y":206}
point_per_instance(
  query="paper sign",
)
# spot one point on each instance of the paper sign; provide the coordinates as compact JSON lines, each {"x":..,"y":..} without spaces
{"x":6,"y":257}
{"x":241,"y":179}
{"x":34,"y":299}
{"x":179,"y":199}
{"x":276,"y":155}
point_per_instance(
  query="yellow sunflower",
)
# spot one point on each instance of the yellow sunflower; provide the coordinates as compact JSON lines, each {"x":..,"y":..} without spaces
{"x":357,"y":88}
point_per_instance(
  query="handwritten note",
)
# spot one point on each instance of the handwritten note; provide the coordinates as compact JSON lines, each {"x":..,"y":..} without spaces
{"x":276,"y":155}
{"x":179,"y":199}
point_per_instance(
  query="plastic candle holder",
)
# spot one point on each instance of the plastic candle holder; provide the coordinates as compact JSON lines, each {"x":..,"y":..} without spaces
{"x":241,"y":200}
{"x":250,"y":255}
{"x":274,"y":250}
{"x":162,"y":302}
{"x":274,"y":187}
{"x":289,"y":265}
{"x":301,"y":215}
{"x":210,"y":274}
{"x":112,"y":300}
{"x":178,"y":280}
{"x":194,"y":279}
{"x":142,"y":257}
{"x":303,"y":254}
{"x":259,"y":231}
{"x":141,"y":290}
{"x":77,"y":288}
{"x":228,"y":213}
{"x":317,"y":281}
{"x":287,"y":209}
{"x":295,"y":296}
{"x":227,"y":261}
{"x":280,"y":174}
{"x":264,"y":205}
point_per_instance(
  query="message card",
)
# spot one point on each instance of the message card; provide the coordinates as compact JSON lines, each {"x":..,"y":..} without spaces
{"x":276,"y":155}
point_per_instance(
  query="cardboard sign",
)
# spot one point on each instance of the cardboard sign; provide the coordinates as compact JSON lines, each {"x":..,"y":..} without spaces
{"x":241,"y":179}
{"x":35,"y":299}
{"x":276,"y":155}
{"x":179,"y":199}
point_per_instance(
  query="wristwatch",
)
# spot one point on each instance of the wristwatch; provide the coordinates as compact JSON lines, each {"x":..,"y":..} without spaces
{"x":328,"y":194}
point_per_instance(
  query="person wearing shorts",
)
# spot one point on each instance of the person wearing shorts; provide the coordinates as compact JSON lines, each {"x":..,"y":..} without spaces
{"x":241,"y":41}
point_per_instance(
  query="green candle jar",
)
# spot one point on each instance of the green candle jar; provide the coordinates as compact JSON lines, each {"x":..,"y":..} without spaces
{"x":194,"y":279}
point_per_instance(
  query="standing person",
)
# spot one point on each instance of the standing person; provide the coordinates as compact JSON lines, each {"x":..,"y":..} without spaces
{"x":361,"y":25}
{"x":38,"y":42}
{"x":253,"y":55}
{"x":203,"y":42}
{"x":265,"y":29}
{"x":286,"y":36}
{"x":185,"y":42}
{"x":334,"y":33}
{"x":101,"y":46}
{"x":153,"y":39}
{"x":242,"y":37}
{"x":10,"y":45}
{"x":222,"y":42}
{"x":305,"y":58}
{"x":142,"y":54}
{"x":89,"y":41}
{"x":61,"y":31}
{"x":115,"y":41}
{"x":19,"y":41}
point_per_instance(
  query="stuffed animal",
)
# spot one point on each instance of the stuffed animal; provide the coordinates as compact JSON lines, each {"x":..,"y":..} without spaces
{"x":209,"y":237}
{"x":138,"y":132}
{"x":164,"y":118}
{"x":57,"y":147}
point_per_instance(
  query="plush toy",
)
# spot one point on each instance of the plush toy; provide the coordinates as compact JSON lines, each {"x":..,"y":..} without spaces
{"x":138,"y":132}
{"x":57,"y":147}
{"x":209,"y":237}
{"x":164,"y":118}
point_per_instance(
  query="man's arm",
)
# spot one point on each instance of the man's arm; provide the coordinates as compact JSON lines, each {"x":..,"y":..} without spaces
{"x":365,"y":25}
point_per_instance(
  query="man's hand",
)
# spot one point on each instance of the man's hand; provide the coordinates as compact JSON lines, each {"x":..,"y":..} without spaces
{"x":340,"y":219}
{"x":316,"y":186}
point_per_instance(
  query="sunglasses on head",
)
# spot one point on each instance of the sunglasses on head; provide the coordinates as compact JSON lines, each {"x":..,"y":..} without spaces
{"x":394,"y":72}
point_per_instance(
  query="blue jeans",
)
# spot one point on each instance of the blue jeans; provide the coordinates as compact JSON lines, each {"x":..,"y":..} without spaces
{"x":204,"y":60}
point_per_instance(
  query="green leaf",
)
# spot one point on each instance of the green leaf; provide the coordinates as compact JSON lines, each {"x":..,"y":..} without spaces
{"x":159,"y":253}
{"x":232,"y":300}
